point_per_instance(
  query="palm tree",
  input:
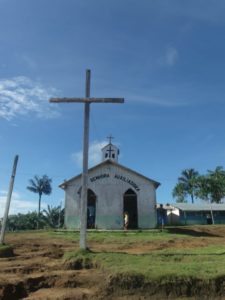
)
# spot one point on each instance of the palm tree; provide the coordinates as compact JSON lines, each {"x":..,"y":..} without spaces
{"x":180,"y":193}
{"x":54,"y":216}
{"x":40,"y":185}
{"x":188,"y":182}
{"x":217,"y":184}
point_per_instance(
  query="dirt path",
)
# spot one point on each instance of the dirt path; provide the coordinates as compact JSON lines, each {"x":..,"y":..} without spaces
{"x":37,"y":270}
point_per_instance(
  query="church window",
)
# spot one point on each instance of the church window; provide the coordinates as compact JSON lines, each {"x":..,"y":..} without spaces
{"x":106,"y":155}
{"x":113,"y":155}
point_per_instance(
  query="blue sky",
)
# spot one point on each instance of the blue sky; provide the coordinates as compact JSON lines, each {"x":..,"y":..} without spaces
{"x":166,"y":58}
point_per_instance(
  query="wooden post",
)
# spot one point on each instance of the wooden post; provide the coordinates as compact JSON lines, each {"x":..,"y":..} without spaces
{"x":84,"y":191}
{"x":87,"y":101}
{"x":7,"y":205}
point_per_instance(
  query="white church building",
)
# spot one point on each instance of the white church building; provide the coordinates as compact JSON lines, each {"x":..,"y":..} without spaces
{"x":113,"y":189}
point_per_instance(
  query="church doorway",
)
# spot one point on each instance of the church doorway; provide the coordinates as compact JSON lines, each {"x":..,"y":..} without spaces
{"x":130,"y":207}
{"x":91,"y":209}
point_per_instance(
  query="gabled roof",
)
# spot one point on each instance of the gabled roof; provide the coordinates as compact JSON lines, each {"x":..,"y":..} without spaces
{"x":200,"y":207}
{"x":108,"y":145}
{"x":108,"y":161}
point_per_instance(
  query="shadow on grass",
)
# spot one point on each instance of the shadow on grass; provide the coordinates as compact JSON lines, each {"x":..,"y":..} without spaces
{"x":6,"y":251}
{"x":192,"y":232}
{"x":158,"y":254}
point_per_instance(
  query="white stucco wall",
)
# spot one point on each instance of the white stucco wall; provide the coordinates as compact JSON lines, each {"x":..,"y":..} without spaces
{"x":109,"y":182}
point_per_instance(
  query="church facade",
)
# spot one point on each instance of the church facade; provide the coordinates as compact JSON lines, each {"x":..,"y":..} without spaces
{"x":113,"y":190}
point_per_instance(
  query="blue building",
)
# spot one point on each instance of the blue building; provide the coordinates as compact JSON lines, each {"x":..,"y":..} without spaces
{"x":194,"y":214}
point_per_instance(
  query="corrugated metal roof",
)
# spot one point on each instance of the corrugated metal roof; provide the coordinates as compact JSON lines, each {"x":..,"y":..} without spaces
{"x":199,"y":207}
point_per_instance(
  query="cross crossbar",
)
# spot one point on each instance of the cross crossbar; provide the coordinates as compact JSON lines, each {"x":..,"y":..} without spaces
{"x":87,"y":100}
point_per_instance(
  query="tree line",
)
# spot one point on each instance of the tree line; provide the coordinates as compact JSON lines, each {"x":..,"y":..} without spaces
{"x":192,"y":185}
{"x":52,"y":217}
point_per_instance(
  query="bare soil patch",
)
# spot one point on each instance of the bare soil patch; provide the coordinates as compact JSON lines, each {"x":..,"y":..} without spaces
{"x":37,"y":270}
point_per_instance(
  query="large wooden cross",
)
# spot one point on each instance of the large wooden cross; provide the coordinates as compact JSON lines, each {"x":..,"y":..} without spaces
{"x":87,"y":101}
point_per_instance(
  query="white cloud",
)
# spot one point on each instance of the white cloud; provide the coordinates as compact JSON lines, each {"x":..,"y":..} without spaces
{"x":95,"y":154}
{"x":22,"y":96}
{"x":18,"y":205}
{"x":171,"y":56}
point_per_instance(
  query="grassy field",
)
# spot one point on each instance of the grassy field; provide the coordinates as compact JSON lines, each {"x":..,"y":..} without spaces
{"x":179,"y":262}
{"x":204,"y":263}
{"x":199,"y":261}
{"x":119,"y":237}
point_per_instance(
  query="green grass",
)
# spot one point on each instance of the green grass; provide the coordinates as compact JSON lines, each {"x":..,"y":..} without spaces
{"x":202,"y":263}
{"x":2,"y":247}
{"x":120,"y":237}
{"x":205,"y":262}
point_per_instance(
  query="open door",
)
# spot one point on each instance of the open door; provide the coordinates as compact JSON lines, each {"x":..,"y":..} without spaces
{"x":130,"y":207}
{"x":91,"y":209}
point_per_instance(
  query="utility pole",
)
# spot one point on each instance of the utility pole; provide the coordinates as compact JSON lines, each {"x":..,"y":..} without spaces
{"x":87,"y":101}
{"x":59,"y":219}
{"x":7,"y":205}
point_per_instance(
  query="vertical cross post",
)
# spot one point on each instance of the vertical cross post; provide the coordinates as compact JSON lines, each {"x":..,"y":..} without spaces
{"x":110,"y":138}
{"x":84,"y":193}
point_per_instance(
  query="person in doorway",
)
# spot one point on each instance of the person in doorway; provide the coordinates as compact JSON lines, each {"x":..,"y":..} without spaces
{"x":161,"y":217}
{"x":91,"y":216}
{"x":126,"y":220}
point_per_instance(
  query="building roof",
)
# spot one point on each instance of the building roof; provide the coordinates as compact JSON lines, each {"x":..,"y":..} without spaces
{"x":200,"y":207}
{"x":108,"y":161}
{"x":165,"y":206}
{"x":109,"y":144}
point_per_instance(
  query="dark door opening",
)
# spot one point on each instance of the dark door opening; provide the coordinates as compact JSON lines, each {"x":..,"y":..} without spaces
{"x":91,"y":209}
{"x":130,"y":207}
